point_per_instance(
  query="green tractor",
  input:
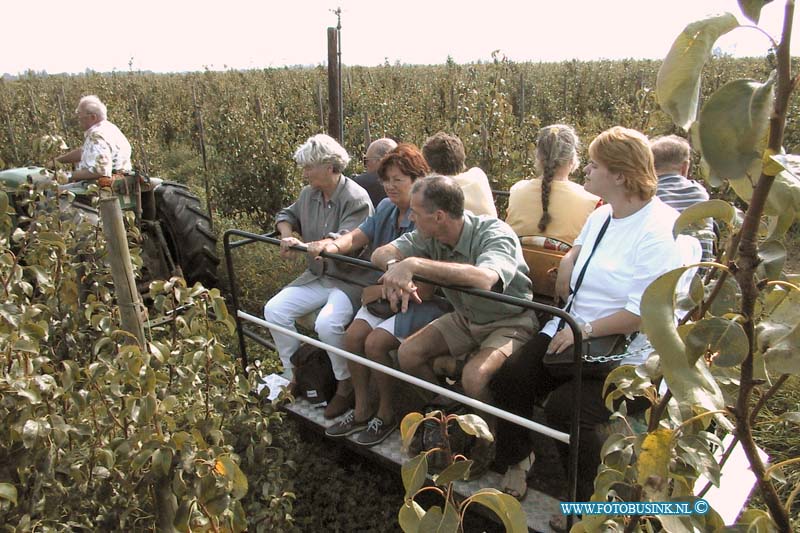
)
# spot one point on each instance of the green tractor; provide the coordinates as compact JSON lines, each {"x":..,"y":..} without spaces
{"x":176,"y":232}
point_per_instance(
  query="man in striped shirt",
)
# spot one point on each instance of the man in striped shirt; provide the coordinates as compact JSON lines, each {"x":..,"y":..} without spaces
{"x":671,"y":155}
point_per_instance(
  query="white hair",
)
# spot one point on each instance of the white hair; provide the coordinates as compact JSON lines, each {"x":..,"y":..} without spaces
{"x":92,"y":104}
{"x":322,"y":149}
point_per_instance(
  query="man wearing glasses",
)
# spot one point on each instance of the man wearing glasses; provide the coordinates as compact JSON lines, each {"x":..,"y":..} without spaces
{"x":105,"y":150}
{"x":369,"y":180}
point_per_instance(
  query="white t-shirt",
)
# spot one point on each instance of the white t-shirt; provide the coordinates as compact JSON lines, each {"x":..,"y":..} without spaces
{"x":634,"y":251}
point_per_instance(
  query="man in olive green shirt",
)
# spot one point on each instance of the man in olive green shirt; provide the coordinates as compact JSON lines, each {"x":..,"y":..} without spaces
{"x":454,"y":247}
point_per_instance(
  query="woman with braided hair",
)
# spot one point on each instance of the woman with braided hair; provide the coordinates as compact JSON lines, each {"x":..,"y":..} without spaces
{"x":551,"y":206}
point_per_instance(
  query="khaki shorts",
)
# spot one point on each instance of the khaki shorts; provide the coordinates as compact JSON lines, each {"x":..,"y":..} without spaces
{"x":506,"y":335}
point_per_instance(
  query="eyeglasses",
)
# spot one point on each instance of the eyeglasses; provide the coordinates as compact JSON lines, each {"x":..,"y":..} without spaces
{"x":370,"y":159}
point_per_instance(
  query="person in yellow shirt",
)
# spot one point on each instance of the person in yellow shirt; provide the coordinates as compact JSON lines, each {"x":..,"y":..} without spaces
{"x":446,"y":156}
{"x":551,"y":206}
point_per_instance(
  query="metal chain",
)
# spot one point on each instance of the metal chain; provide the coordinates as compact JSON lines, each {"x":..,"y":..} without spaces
{"x":613,"y":357}
{"x":605,"y":358}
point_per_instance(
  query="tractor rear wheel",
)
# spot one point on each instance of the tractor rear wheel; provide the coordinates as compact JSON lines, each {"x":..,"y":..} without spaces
{"x":187,"y":230}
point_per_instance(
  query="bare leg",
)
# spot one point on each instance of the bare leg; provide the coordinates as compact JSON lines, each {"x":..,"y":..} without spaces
{"x":478,"y":372}
{"x":377,"y":347}
{"x":354,"y":339}
{"x":418,"y":351}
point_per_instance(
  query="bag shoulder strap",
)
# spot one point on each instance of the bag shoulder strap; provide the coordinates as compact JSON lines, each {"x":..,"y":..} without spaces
{"x":582,"y":273}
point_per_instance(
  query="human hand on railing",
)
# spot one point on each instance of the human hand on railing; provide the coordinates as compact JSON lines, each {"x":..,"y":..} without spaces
{"x":562,"y":340}
{"x":399,"y":287}
{"x":286,"y":245}
{"x":317,"y":247}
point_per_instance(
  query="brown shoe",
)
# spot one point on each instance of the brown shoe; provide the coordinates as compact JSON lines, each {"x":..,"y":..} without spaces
{"x":339,"y":404}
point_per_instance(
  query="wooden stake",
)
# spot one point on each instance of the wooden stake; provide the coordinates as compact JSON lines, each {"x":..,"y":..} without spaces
{"x":198,"y":116}
{"x":128,"y":297}
{"x":334,"y":87}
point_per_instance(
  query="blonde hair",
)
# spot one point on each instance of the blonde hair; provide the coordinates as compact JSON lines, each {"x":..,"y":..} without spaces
{"x":627,"y":152}
{"x":556,"y":146}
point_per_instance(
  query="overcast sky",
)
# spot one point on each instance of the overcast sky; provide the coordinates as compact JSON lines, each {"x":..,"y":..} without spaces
{"x":181,"y":35}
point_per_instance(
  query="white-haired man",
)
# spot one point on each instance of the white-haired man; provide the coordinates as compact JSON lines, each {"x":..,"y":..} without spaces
{"x":105,"y":149}
{"x":372,"y":160}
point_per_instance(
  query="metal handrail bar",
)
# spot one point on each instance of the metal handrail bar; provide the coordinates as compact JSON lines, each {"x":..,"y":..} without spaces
{"x":577,"y":363}
{"x":472,"y":402}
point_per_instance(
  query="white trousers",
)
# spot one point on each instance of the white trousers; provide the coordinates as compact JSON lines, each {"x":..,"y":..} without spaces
{"x":293,"y":302}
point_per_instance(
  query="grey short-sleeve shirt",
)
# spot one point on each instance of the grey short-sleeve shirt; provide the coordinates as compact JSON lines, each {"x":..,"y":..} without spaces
{"x":484,"y":242}
{"x":315,"y":219}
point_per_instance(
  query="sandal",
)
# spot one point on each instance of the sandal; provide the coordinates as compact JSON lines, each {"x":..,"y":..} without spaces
{"x":515,"y":481}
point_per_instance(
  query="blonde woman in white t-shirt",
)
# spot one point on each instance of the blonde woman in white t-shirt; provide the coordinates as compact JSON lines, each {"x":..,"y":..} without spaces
{"x":636,"y":247}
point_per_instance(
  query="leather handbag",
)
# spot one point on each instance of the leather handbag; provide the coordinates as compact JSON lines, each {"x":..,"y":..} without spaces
{"x":601,"y":355}
{"x":380,"y":308}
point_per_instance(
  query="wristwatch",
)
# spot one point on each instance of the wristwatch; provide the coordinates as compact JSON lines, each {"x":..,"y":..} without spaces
{"x":587,"y":330}
{"x":390,"y":262}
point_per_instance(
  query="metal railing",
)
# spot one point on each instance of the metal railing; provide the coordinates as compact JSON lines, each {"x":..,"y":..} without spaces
{"x":571,"y":438}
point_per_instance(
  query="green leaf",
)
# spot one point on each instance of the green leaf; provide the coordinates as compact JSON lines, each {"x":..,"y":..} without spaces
{"x":450,"y":519}
{"x":457,"y":470}
{"x":182,"y":515}
{"x":725,"y":339}
{"x":410,"y":515}
{"x":678,"y":81}
{"x":25,"y":345}
{"x":8,"y":492}
{"x":505,"y":506}
{"x":716,"y":209}
{"x":476,"y":426}
{"x":226,"y":466}
{"x":792,"y":416}
{"x":727,"y":300}
{"x":773,"y":256}
{"x":413,"y":473}
{"x":653,"y":463}
{"x":53,"y":238}
{"x":691,"y":384}
{"x":752,"y":8}
{"x":408,"y":426}
{"x":162,"y":462}
{"x":430,"y":522}
{"x":31,"y":432}
{"x":756,"y":521}
{"x":732,"y":127}
{"x":783,"y":355}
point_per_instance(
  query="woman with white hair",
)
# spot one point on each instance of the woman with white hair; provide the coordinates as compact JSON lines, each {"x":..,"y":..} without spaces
{"x":329,"y":206}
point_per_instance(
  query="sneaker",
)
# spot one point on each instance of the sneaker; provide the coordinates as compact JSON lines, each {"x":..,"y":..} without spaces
{"x":376,"y":432}
{"x":347,"y":426}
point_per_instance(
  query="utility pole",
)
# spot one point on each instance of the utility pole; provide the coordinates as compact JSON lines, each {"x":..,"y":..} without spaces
{"x":336,"y":107}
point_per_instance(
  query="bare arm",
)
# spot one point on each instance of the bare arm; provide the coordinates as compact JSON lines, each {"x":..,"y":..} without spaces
{"x":85,"y":174}
{"x":621,"y":321}
{"x":287,"y":239}
{"x":565,"y":268}
{"x":73,"y":156}
{"x":344,"y":244}
{"x":458,"y":274}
